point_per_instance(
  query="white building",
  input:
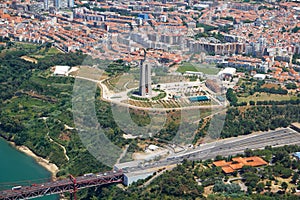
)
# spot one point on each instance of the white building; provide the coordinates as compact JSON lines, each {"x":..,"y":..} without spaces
{"x":191,"y":73}
{"x":226,"y":73}
{"x":153,"y":147}
{"x":259,"y":76}
{"x":61,"y":70}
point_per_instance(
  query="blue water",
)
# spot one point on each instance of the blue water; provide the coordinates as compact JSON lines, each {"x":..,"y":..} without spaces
{"x":16,"y":168}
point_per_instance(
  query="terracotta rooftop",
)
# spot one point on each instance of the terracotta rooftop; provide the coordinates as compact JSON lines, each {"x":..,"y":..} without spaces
{"x":252,"y":161}
{"x":221,"y":163}
{"x":227,"y":170}
{"x":239,"y":162}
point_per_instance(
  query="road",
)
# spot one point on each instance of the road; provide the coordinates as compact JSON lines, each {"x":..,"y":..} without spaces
{"x":226,"y":147}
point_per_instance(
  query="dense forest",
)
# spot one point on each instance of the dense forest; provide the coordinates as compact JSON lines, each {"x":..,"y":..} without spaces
{"x":35,"y":107}
{"x":248,"y":119}
{"x":259,"y":118}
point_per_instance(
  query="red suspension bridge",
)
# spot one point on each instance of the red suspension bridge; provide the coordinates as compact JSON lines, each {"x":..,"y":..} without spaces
{"x":71,"y":184}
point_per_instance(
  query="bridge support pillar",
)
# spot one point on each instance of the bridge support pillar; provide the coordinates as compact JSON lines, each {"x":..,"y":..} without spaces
{"x":73,"y":195}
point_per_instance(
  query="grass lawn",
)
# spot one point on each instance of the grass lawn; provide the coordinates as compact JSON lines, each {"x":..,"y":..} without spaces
{"x":266,"y":97}
{"x":118,"y":83}
{"x":205,"y":68}
{"x":270,"y":85}
{"x":186,"y":67}
{"x":208,"y":69}
{"x":53,"y":50}
{"x":41,"y":53}
{"x":24,"y":45}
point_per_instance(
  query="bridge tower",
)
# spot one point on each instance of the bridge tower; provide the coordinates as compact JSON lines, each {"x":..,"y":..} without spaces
{"x":73,"y":179}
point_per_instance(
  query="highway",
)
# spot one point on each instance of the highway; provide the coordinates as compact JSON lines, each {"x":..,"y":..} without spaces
{"x":226,"y":147}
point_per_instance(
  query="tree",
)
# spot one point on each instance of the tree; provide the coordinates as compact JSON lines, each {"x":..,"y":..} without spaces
{"x":251,"y":179}
{"x":291,"y":86}
{"x":235,"y":173}
{"x":286,"y":173}
{"x":231,"y":97}
{"x":248,"y":168}
{"x":284,"y":186}
{"x":219,"y":187}
{"x":296,"y":29}
{"x":219,"y":157}
{"x":248,"y":152}
{"x":249,"y":190}
{"x":94,"y":198}
{"x":269,"y":184}
{"x":260,"y":187}
{"x":295,"y":177}
{"x":233,"y":188}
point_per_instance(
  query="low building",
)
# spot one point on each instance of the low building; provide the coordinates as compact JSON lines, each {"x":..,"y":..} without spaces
{"x":132,"y":177}
{"x":220,"y":98}
{"x":191,"y":73}
{"x":61,"y":70}
{"x":153,"y":147}
{"x":259,"y":76}
{"x":213,"y":85}
{"x":199,"y":99}
{"x":215,"y":59}
{"x":143,"y":16}
{"x":238,"y":163}
{"x":226,"y":73}
{"x":200,"y":6}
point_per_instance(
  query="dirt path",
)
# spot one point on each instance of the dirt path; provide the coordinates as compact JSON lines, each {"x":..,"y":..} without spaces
{"x":51,"y":140}
{"x":122,"y":154}
{"x":64,"y":149}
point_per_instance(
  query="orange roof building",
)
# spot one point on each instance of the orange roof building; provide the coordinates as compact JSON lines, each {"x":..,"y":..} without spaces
{"x":238,"y":163}
{"x":253,"y":161}
{"x":221,"y":163}
{"x":227,"y":169}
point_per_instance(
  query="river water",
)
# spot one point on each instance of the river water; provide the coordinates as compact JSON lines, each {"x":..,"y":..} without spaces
{"x":16,"y":168}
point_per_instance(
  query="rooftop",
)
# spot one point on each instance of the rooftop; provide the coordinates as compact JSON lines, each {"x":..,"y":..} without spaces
{"x":239,"y":162}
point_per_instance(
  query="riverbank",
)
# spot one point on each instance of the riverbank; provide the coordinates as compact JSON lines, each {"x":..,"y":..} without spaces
{"x":52,"y":168}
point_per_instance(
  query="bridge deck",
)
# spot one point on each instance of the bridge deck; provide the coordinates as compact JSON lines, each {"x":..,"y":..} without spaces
{"x":61,"y":186}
